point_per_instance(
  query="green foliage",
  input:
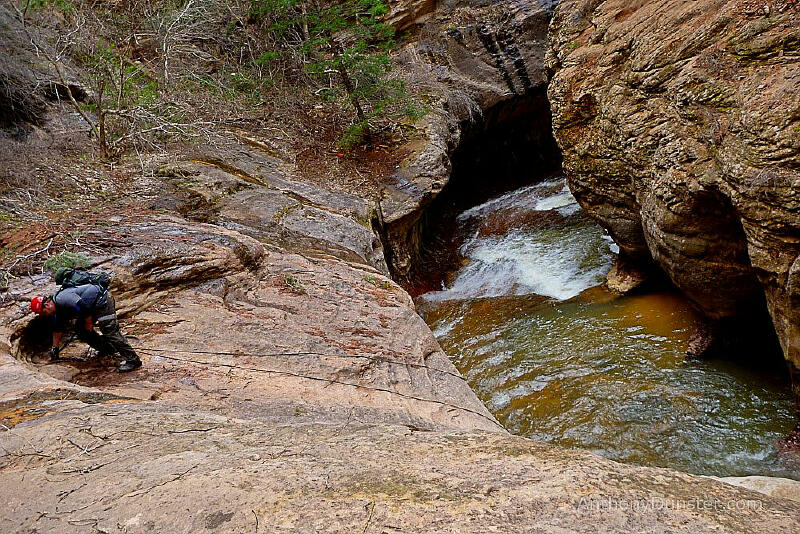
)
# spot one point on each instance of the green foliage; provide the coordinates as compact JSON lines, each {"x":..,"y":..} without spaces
{"x":272,"y":8}
{"x":294,"y":285}
{"x":283,"y":212}
{"x":63,"y":6}
{"x":242,"y":82}
{"x":67,"y":259}
{"x":230,"y":85}
{"x":377,"y":282}
{"x":89,"y":106}
{"x":124,"y":82}
{"x":354,"y":135}
{"x":414,"y":110}
{"x":347,"y":42}
{"x":267,"y":57}
{"x":135,"y":111}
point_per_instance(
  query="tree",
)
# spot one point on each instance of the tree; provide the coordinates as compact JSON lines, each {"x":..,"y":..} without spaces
{"x":347,"y":40}
{"x":125,"y":106}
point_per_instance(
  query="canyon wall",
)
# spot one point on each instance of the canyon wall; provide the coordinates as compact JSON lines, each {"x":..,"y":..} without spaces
{"x":679,"y":124}
{"x":288,"y":385}
{"x":483,"y":67}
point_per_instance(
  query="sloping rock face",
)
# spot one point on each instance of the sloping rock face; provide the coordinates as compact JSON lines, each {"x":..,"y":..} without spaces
{"x":680,"y":128}
{"x":270,"y":312}
{"x":147,"y":468}
{"x":288,"y":386}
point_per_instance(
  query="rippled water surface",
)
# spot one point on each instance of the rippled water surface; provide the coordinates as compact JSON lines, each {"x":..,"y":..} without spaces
{"x":557,"y":358}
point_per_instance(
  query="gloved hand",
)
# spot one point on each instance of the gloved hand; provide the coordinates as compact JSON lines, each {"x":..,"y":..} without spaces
{"x":54,"y":353}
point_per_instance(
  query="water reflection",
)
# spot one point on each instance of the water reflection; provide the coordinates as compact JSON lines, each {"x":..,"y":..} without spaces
{"x":559,"y":359}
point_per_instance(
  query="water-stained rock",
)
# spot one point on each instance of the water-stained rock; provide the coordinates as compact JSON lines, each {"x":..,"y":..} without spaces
{"x":680,"y":128}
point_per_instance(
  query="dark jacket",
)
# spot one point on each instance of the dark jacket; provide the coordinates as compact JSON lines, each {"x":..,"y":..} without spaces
{"x":78,"y":302}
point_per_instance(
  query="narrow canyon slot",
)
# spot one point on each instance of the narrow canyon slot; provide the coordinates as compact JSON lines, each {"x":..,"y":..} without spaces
{"x":406,"y":266}
{"x":510,"y":279}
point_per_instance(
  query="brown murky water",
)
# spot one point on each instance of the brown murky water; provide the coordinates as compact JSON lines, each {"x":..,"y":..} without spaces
{"x":559,"y":359}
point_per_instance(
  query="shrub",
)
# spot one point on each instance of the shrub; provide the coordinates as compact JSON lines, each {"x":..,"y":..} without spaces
{"x":67,"y":259}
{"x":294,"y":285}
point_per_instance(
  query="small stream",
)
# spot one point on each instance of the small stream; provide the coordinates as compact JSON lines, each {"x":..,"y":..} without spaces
{"x":557,"y":358}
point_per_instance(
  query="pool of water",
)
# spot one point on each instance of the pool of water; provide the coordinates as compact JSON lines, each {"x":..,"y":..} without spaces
{"x":557,"y":358}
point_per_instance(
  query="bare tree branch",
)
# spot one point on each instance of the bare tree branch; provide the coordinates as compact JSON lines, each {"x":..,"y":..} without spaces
{"x":54,"y":61}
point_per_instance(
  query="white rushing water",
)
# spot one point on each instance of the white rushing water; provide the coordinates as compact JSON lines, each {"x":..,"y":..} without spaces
{"x":555,"y":251}
{"x":603,"y":374}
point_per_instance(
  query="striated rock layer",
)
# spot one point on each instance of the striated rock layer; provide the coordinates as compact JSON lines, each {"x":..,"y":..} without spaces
{"x":679,"y":124}
{"x":289,"y":386}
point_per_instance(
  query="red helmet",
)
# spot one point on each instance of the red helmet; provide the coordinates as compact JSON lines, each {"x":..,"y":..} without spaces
{"x":36,"y":304}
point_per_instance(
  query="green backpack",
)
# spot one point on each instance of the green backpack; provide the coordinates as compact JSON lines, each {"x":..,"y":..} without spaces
{"x":68,"y":277}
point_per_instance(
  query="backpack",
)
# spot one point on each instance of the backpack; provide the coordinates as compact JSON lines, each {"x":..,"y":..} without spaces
{"x":67,"y":277}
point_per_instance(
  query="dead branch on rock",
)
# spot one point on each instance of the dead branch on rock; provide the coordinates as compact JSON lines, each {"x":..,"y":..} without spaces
{"x":142,"y":492}
{"x":84,"y":450}
{"x":5,"y":272}
{"x":37,"y":452}
{"x":371,"y":508}
{"x":188,"y":430}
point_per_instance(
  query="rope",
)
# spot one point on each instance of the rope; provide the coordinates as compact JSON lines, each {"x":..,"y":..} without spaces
{"x":314,"y":378}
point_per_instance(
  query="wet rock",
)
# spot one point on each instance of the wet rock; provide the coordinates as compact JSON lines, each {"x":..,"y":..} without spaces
{"x":703,"y":343}
{"x":625,"y":276}
{"x":679,"y":128}
{"x":486,"y":65}
{"x":738,"y":339}
{"x":790,"y":445}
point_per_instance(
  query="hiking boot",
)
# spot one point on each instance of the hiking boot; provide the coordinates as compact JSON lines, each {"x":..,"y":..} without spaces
{"x":129,"y":365}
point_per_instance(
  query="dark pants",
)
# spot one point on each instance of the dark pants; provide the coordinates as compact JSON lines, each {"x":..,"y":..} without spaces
{"x":112,"y":339}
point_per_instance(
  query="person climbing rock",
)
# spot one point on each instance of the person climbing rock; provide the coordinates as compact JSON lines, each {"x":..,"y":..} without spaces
{"x":87,"y":304}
